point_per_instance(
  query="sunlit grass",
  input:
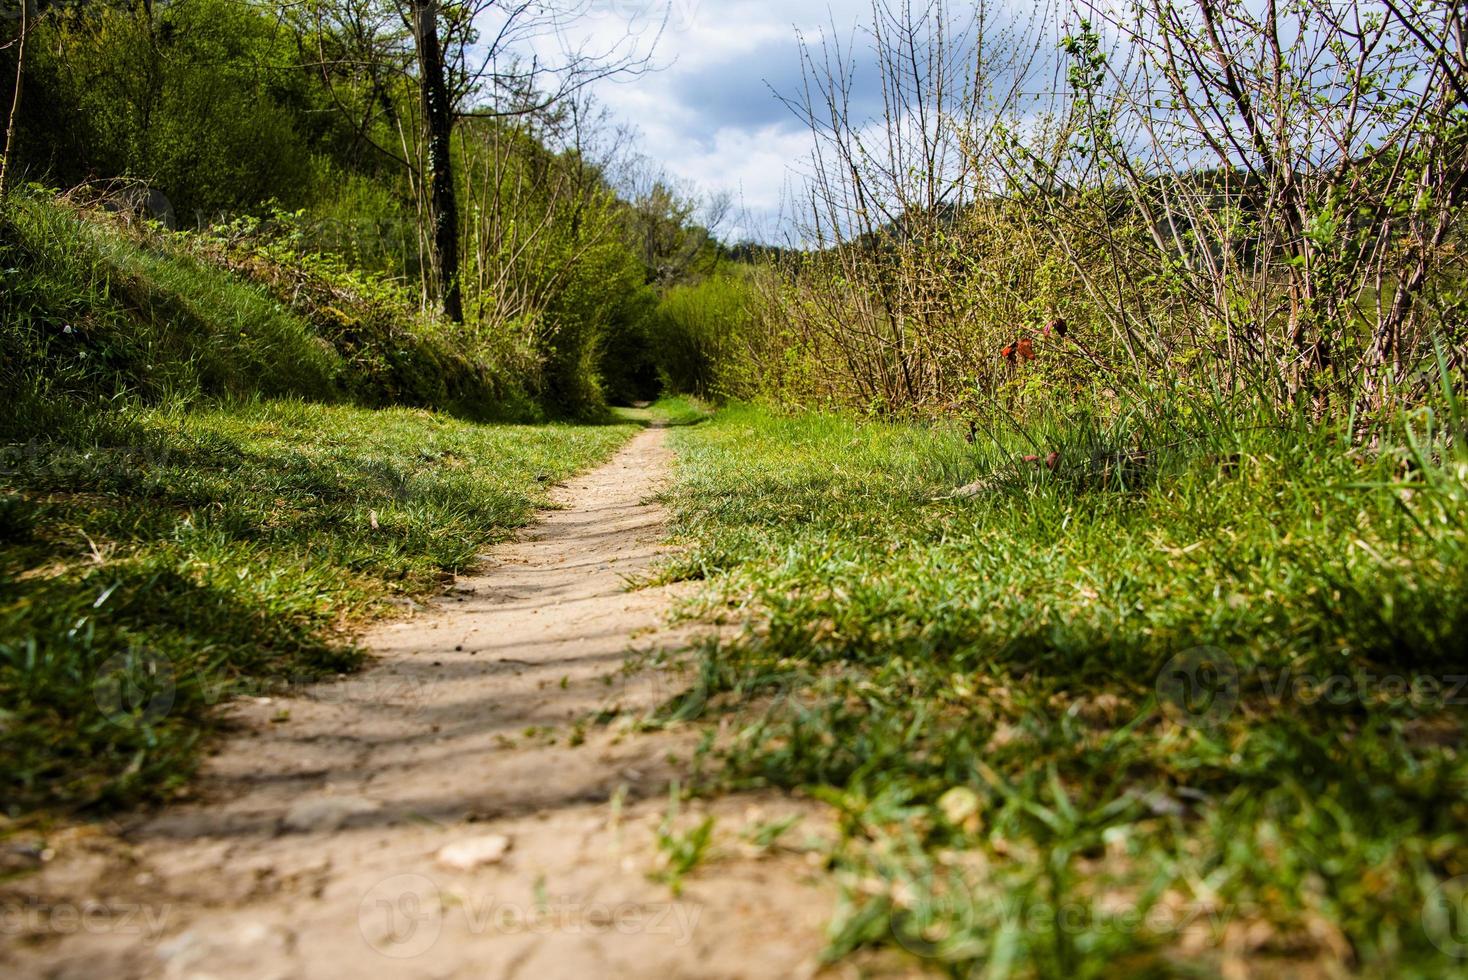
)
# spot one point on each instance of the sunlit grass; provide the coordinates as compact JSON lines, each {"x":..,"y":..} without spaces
{"x":153,"y":563}
{"x":993,"y":692}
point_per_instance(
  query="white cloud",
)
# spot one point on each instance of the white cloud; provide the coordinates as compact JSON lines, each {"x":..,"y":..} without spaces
{"x":712,"y":116}
{"x":709,"y":116}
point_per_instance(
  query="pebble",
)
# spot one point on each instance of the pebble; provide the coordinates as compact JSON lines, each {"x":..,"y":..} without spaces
{"x":470,"y":853}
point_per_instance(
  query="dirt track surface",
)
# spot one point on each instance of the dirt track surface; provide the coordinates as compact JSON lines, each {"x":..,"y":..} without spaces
{"x":315,"y":845}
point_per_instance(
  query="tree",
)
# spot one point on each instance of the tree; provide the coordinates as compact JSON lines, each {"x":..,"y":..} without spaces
{"x":8,"y":151}
{"x":472,"y":59}
{"x":439,"y":120}
{"x":673,"y":228}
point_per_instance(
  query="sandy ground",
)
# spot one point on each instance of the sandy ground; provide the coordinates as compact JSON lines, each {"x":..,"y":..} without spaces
{"x":313,"y":846}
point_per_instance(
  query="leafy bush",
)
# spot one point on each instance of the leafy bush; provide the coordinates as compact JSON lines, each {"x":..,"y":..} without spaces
{"x":361,"y":220}
{"x":627,"y":362}
{"x":189,"y":102}
{"x":698,"y":333}
{"x":550,"y":263}
{"x":395,"y":353}
{"x":97,"y":308}
{"x":601,"y":288}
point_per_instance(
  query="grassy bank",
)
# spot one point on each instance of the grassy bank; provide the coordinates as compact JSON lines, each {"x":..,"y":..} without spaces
{"x":155,"y":562}
{"x":1147,"y":707}
{"x":96,"y":307}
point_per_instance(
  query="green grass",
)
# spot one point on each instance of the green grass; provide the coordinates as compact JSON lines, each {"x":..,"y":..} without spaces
{"x":92,"y":308}
{"x":992,"y":692}
{"x":680,"y":410}
{"x":154,"y":562}
{"x":670,"y":410}
{"x":87,"y":312}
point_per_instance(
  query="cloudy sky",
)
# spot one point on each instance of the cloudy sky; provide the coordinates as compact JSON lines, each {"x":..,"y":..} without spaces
{"x":710,"y":115}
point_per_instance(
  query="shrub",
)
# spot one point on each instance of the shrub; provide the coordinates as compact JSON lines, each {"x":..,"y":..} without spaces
{"x":184,"y":102}
{"x":396,"y":353}
{"x":698,"y":337}
{"x":627,"y":361}
{"x":95,"y":309}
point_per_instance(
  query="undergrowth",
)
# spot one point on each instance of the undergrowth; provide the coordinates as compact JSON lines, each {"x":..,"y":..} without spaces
{"x":87,"y":316}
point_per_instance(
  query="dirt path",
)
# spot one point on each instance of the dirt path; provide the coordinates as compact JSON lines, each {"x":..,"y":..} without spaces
{"x":315,"y":846}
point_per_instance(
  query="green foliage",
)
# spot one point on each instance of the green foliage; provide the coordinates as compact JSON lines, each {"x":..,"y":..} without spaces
{"x":195,"y":102}
{"x":604,"y":288}
{"x":983,"y":687}
{"x":697,"y":336}
{"x":210,"y":110}
{"x":362,"y":221}
{"x":551,"y":264}
{"x":154,"y":563}
{"x":394,"y":352}
{"x":626,"y":358}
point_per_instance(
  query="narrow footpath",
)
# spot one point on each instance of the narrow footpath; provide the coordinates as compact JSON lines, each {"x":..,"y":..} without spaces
{"x":455,"y":810}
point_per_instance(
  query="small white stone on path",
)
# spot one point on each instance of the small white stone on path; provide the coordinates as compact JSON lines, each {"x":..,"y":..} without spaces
{"x":470,"y":853}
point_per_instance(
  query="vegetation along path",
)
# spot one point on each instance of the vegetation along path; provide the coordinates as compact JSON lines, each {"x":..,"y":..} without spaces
{"x":447,"y":812}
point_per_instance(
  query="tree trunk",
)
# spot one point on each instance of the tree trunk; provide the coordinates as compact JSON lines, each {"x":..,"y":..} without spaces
{"x":438,"y":114}
{"x":9,"y":150}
